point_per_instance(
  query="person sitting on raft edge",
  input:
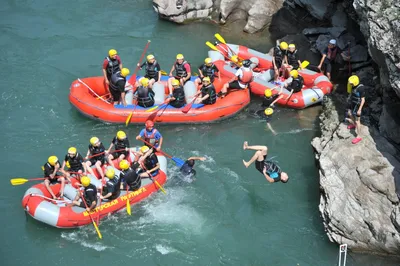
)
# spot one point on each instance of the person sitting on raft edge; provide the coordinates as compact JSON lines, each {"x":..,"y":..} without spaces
{"x":269,"y":169}
{"x":243,"y":77}
{"x":89,"y":195}
{"x":144,"y":94}
{"x":177,"y":99}
{"x":50,"y":170}
{"x":207,"y":91}
{"x":187,"y":167}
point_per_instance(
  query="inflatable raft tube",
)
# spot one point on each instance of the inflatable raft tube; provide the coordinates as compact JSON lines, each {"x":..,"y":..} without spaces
{"x":316,"y":85}
{"x":36,"y":201}
{"x":84,"y":96}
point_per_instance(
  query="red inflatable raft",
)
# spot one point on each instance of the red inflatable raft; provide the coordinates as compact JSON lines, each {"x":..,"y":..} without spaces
{"x":316,"y":85}
{"x":38,"y":204}
{"x":84,"y":95}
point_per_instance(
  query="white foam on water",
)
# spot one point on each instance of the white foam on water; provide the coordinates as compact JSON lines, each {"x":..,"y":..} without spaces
{"x":79,"y":236}
{"x":164,"y":249}
{"x":295,"y":131}
{"x":206,"y":169}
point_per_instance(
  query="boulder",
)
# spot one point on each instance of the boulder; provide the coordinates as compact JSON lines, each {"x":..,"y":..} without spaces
{"x":317,"y":8}
{"x":358,"y":203}
{"x":180,"y":11}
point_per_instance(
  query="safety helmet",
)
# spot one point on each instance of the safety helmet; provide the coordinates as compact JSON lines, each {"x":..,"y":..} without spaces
{"x":354,"y":80}
{"x":149,"y":57}
{"x":283,"y":45}
{"x":206,"y":79}
{"x":72,"y":150}
{"x":294,"y":73}
{"x":124,"y":164}
{"x":94,"y":140}
{"x":269,"y":111}
{"x":144,"y":82}
{"x":112,"y":52}
{"x":268,"y":93}
{"x":144,"y":149}
{"x":125,"y":72}
{"x":208,"y":60}
{"x":179,"y":56}
{"x":52,"y":160}
{"x":121,"y":135}
{"x":234,"y":58}
{"x":110,"y":173}
{"x":149,"y":123}
{"x":246,"y":63}
{"x":175,"y":82}
{"x":292,"y":45}
{"x":85,"y":181}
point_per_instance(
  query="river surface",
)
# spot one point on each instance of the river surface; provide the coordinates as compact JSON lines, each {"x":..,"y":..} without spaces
{"x":229,"y":215}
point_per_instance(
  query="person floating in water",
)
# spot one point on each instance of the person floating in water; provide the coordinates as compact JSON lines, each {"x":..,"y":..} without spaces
{"x":187,"y":167}
{"x":269,"y":169}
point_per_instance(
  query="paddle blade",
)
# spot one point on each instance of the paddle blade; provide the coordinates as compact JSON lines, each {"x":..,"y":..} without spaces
{"x":187,"y":108}
{"x":128,"y":119}
{"x":179,"y":162}
{"x":97,"y":230}
{"x":160,"y":187}
{"x":305,"y":64}
{"x":128,"y":207}
{"x":152,"y":108}
{"x":212,"y":46}
{"x":163,"y":73}
{"x":219,"y":38}
{"x":18,"y":181}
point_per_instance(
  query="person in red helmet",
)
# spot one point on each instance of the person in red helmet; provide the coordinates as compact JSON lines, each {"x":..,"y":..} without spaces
{"x":151,"y":135}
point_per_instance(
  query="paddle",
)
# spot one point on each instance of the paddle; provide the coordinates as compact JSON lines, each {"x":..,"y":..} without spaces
{"x":212,"y":46}
{"x":219,"y":38}
{"x":21,"y":181}
{"x":50,"y":199}
{"x":178,"y":162}
{"x":87,"y":86}
{"x":157,"y":106}
{"x":187,"y":108}
{"x":132,"y":79}
{"x":155,"y":181}
{"x":166,"y":74}
{"x":91,"y":218}
{"x":101,"y":193}
{"x":128,"y":205}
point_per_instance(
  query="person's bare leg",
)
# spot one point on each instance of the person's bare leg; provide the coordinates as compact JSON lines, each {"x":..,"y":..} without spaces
{"x":255,"y":147}
{"x":358,"y":127}
{"x":47,"y":185}
{"x":258,"y":155}
{"x":99,"y":170}
{"x":109,"y":159}
{"x":62,"y":179}
{"x":89,"y":168}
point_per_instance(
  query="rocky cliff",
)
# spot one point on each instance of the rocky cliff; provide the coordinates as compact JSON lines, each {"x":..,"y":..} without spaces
{"x":359,"y":205}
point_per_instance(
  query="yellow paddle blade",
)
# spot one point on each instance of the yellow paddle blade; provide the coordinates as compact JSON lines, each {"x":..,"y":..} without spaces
{"x":42,"y":168}
{"x":163,"y":73}
{"x":128,"y":207}
{"x":304,"y":64}
{"x":195,"y":74}
{"x":160,"y":187}
{"x":128,"y":119}
{"x":212,"y":46}
{"x":219,"y":38}
{"x":18,"y":181}
{"x":152,"y":108}
{"x":97,"y":230}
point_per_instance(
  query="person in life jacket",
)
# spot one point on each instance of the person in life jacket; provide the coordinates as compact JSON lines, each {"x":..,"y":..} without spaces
{"x":178,"y":95}
{"x":111,"y":64}
{"x":328,"y":57}
{"x":121,"y":145}
{"x":279,"y":59}
{"x":182,"y":72}
{"x":95,"y":156}
{"x":243,"y":77}
{"x":207,"y":91}
{"x":151,"y":135}
{"x":112,"y":188}
{"x":187,"y":167}
{"x":152,"y":70}
{"x":208,"y":69}
{"x":52,"y":176}
{"x":149,"y":162}
{"x":292,"y":58}
{"x":74,"y":162}
{"x":355,"y":105}
{"x":269,"y":100}
{"x":269,"y":169}
{"x":295,"y":83}
{"x":89,"y":195}
{"x":144,"y":94}
{"x":117,"y":86}
{"x":129,"y":177}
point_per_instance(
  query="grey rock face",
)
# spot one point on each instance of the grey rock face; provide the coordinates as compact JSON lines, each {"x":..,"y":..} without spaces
{"x":358,"y":204}
{"x":181,"y":10}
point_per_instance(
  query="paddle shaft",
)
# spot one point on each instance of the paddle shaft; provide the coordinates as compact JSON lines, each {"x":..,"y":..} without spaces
{"x":189,"y":106}
{"x":149,"y":144}
{"x":133,"y":78}
{"x":50,"y":199}
{"x":87,"y":86}
{"x":91,"y":218}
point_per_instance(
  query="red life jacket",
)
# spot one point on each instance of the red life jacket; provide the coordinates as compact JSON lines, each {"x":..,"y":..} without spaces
{"x":247,"y":76}
{"x":151,"y":138}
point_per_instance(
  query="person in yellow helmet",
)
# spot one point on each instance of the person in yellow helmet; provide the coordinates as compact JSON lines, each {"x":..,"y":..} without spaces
{"x":294,"y":84}
{"x":269,"y":100}
{"x":292,"y":58}
{"x":111,"y":64}
{"x":270,"y":170}
{"x":279,"y":59}
{"x":112,"y":188}
{"x":355,"y":106}
{"x":182,"y":72}
{"x":89,"y":195}
{"x":121,"y":145}
{"x":144,"y":94}
{"x":52,"y":175}
{"x":207,"y":92}
{"x":152,"y":70}
{"x":129,"y":176}
{"x":208,"y":69}
{"x":96,"y":155}
{"x":74,"y":162}
{"x":177,"y":99}
{"x":149,"y":161}
{"x":117,"y":86}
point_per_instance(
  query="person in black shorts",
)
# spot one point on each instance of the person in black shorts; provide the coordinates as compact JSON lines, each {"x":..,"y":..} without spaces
{"x":121,"y":145}
{"x":355,"y":106}
{"x":243,"y":77}
{"x":51,"y":176}
{"x":89,"y":195}
{"x":96,"y":152}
